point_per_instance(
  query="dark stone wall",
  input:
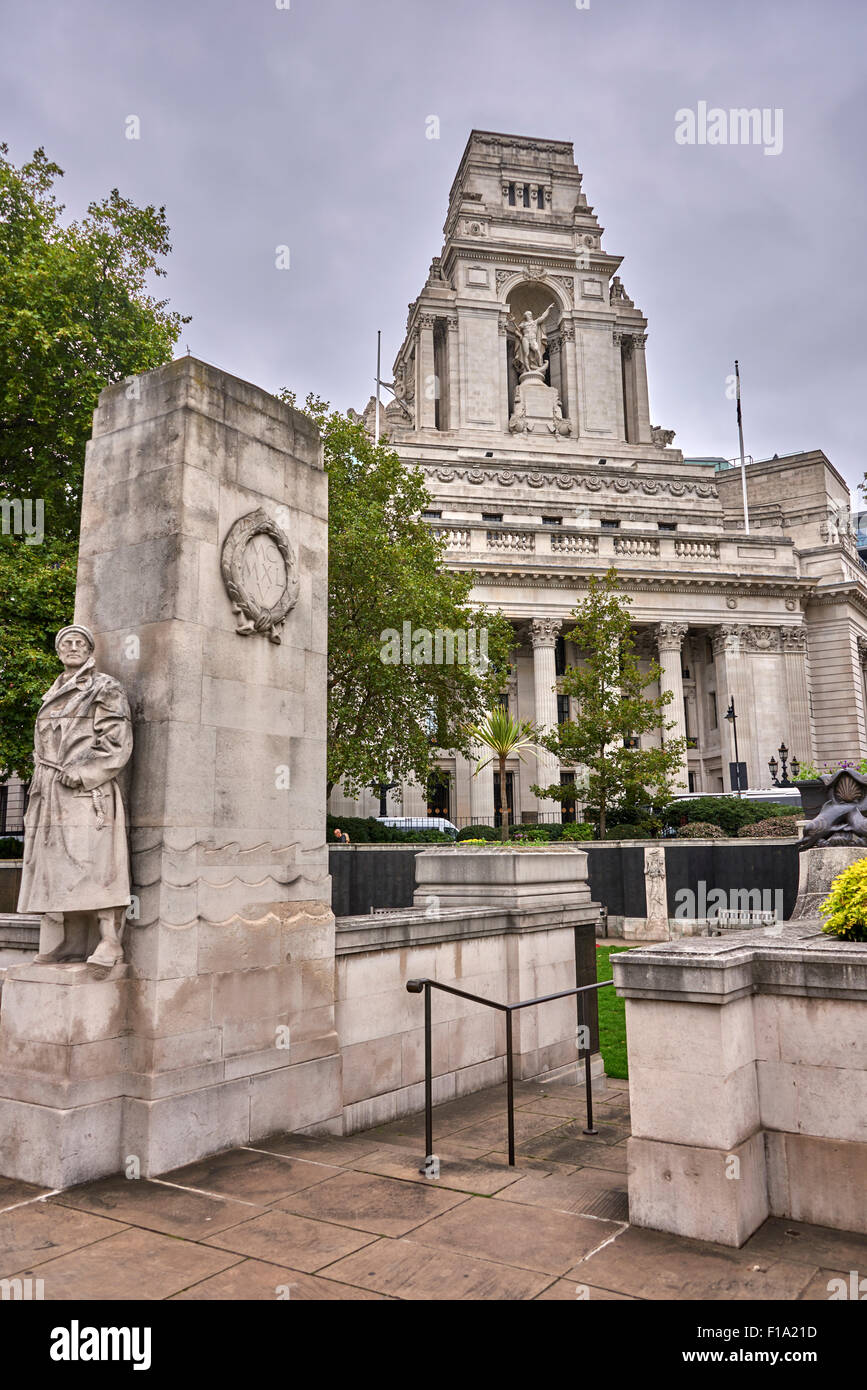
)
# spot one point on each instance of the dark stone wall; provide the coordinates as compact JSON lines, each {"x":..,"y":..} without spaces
{"x":365,"y":878}
{"x":385,"y":877}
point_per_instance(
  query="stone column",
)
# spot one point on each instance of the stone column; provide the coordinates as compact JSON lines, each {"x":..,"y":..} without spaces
{"x":503,"y":346}
{"x":481,"y":788}
{"x":800,"y":723}
{"x":543,"y":635}
{"x":669,"y":638}
{"x":642,"y":405}
{"x":454,"y":367}
{"x":734,"y":682}
{"x":569,"y":377}
{"x":426,"y":382}
{"x":620,"y":418}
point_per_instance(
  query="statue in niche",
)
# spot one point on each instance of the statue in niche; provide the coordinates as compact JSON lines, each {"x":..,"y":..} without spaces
{"x":76,"y":859}
{"x":530,"y":341}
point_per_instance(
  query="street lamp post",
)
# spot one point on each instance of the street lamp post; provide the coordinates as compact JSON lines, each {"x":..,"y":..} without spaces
{"x":733,"y":720}
{"x":775,"y":766}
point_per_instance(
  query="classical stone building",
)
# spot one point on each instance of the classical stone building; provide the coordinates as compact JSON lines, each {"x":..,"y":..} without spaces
{"x":521,"y":393}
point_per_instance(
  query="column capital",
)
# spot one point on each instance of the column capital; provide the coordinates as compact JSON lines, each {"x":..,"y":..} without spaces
{"x":669,"y":636}
{"x":727,"y":639}
{"x":862,"y":650}
{"x":544,"y":632}
{"x":794,"y":639}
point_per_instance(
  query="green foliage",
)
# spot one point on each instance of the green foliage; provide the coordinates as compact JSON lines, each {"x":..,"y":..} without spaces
{"x":387,"y":719}
{"x":609,"y":689}
{"x":701,"y":830}
{"x":781,"y":827}
{"x":10,"y":848}
{"x":75,"y":316}
{"x":478,"y":832}
{"x":845,"y":907}
{"x":811,"y":772}
{"x":729,"y":813}
{"x":505,"y":737}
{"x":626,"y":832}
{"x":579,"y":830}
{"x":612,"y":1016}
{"x":366,"y":830}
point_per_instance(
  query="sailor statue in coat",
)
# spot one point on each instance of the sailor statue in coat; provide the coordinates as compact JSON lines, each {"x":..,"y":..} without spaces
{"x":76,"y":859}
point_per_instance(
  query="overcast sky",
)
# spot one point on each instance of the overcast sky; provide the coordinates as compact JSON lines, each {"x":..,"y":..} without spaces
{"x":305,"y":126}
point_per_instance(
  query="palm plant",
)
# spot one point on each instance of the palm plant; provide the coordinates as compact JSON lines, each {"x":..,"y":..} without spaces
{"x":504,"y":736}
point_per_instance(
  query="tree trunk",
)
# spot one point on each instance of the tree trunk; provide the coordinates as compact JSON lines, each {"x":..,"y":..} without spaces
{"x":504,"y":803}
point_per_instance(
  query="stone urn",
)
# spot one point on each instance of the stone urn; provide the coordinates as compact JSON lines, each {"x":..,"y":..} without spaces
{"x":813,"y":794}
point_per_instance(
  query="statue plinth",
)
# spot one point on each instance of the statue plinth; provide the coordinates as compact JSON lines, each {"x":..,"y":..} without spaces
{"x":537,"y":408}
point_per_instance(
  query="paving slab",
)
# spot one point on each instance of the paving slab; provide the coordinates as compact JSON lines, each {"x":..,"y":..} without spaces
{"x":584,"y":1193}
{"x":527,"y":1237}
{"x":652,"y":1264}
{"x":132,"y":1265}
{"x":824,"y":1286}
{"x":406,"y":1270}
{"x":812,"y":1245}
{"x":294,"y":1242}
{"x":493,"y":1133}
{"x":317,"y":1149}
{"x":568,"y":1144}
{"x":255,"y":1177}
{"x":32,"y":1234}
{"x":13,"y":1192}
{"x":366,"y":1202}
{"x":155,"y":1206}
{"x":564,"y":1291}
{"x":458,"y":1174}
{"x":254,"y":1280}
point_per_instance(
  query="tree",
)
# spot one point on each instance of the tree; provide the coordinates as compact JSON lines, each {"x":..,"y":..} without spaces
{"x":75,"y":316}
{"x":395,"y":617}
{"x":504,"y":736}
{"x":612,"y":708}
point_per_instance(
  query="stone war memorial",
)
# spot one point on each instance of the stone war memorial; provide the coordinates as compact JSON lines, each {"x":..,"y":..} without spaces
{"x":183,"y":1001}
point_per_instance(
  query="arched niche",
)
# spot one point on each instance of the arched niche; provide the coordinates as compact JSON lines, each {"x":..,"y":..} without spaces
{"x":534,"y":295}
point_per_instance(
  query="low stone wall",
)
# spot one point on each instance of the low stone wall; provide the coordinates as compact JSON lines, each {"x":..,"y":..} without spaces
{"x":500,"y":955}
{"x":371,"y":876}
{"x":748,"y":1082}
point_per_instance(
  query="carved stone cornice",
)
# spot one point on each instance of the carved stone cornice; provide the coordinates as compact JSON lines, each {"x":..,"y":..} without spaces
{"x":591,"y":482}
{"x":669,"y":636}
{"x":544,"y":632}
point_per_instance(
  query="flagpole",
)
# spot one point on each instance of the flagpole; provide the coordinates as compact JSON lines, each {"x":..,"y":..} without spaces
{"x":378,"y":354}
{"x":743,"y":462}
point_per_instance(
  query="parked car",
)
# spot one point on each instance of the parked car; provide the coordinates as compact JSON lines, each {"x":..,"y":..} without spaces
{"x":420,"y":823}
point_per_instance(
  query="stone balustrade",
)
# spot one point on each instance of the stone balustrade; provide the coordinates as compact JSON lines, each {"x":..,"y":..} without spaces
{"x":636,"y":545}
{"x":686,"y":549}
{"x":611,"y":547}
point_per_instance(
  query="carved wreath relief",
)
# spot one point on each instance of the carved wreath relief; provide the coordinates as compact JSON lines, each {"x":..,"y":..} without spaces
{"x":260,"y":574}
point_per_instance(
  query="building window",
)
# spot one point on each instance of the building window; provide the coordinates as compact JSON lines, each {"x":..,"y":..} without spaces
{"x":552,"y":521}
{"x":562,"y":709}
{"x":439,"y":794}
{"x":511,"y":195}
{"x":559,"y":656}
{"x":667,"y":525}
{"x":714,"y":717}
{"x":691,"y":776}
{"x":609,"y":524}
{"x":526,"y":195}
{"x":492,"y":516}
{"x":503,"y":702}
{"x":431,"y":515}
{"x":540,"y":196}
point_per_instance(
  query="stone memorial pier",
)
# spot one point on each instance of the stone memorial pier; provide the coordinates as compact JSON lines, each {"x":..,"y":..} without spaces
{"x":203,"y":579}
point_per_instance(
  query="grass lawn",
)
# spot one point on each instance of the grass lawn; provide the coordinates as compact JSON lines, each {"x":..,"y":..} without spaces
{"x":612,"y":1016}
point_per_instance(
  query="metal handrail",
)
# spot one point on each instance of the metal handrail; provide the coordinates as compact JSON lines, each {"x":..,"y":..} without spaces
{"x":416,"y":987}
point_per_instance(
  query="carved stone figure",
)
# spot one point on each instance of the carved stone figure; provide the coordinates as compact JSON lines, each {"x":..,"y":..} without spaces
{"x":76,"y":859}
{"x":531,"y":341}
{"x":656,"y":891}
{"x":662,"y":437}
{"x":842,"y":819}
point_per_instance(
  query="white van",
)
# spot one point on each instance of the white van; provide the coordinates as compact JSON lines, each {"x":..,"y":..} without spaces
{"x":420,"y":823}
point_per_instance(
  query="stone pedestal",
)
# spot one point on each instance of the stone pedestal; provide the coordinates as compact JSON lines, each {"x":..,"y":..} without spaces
{"x":747,"y":1081}
{"x":222,"y":1027}
{"x":537,"y":409}
{"x":818,"y":869}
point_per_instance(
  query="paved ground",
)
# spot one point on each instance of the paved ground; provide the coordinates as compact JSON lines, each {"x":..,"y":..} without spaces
{"x":354,"y":1219}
